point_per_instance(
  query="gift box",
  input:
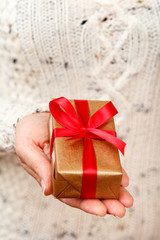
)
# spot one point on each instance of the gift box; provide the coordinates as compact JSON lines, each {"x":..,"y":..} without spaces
{"x":84,"y":149}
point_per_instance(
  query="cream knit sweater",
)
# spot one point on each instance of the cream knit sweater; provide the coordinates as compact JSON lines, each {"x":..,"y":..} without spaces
{"x":94,"y":49}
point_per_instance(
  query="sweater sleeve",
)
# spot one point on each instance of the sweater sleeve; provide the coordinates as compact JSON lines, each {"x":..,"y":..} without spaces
{"x":10,"y":114}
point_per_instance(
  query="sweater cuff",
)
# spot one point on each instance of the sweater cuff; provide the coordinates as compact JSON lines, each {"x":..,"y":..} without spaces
{"x":10,"y":114}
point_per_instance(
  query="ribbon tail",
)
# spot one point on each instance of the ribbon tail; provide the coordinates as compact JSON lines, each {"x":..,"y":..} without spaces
{"x":89,"y":177}
{"x":113,"y":133}
{"x":77,"y":136}
{"x":110,"y":138}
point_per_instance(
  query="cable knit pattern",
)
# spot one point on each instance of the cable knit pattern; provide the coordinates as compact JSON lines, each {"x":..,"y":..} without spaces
{"x":94,"y":49}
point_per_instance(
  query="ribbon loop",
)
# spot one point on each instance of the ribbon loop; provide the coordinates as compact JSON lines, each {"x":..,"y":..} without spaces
{"x":102,"y":115}
{"x":68,"y":118}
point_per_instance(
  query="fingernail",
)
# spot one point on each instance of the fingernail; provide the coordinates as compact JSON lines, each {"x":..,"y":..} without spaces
{"x":43,"y":186}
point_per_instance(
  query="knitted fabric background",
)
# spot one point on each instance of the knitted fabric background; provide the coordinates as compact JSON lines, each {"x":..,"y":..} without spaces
{"x":95,"y":49}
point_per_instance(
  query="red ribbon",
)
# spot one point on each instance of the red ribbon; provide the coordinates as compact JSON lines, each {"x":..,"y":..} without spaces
{"x":81,"y":126}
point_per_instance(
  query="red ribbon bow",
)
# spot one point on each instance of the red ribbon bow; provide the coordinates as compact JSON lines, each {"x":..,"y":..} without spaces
{"x":80,"y":126}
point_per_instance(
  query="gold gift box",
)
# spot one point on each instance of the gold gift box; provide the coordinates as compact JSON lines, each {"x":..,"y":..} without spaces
{"x":67,"y":159}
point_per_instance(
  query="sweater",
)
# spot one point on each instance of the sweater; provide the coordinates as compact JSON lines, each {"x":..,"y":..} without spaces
{"x":95,"y":49}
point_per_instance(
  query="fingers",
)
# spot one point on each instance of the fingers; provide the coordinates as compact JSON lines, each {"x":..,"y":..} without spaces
{"x":92,"y":206}
{"x":114,"y":207}
{"x":125,"y":179}
{"x":117,"y":206}
{"x":38,"y":165}
{"x":125,"y":197}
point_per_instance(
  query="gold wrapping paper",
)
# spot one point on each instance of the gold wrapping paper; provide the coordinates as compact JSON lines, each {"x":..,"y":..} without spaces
{"x":67,"y":162}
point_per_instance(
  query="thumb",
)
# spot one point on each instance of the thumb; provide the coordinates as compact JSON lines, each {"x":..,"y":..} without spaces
{"x":34,"y":160}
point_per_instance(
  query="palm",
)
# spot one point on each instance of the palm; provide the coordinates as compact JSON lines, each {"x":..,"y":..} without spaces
{"x":33,"y":151}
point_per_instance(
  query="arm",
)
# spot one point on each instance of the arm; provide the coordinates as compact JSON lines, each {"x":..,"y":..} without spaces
{"x":10,"y":114}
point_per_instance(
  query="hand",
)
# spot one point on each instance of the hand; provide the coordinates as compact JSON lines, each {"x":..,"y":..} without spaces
{"x":105,"y":206}
{"x":32,"y":148}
